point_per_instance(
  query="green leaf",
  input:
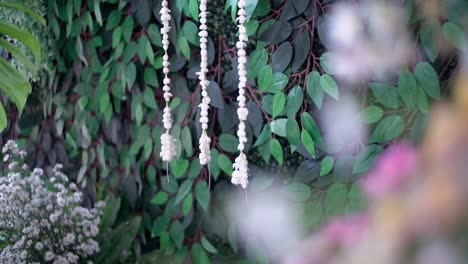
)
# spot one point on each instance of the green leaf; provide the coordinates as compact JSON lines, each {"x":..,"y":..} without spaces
{"x":202,"y":194}
{"x":455,"y":35}
{"x":184,"y":189}
{"x":228,"y":142}
{"x":280,"y":81}
{"x":371,"y":114}
{"x":387,"y":129}
{"x":26,"y":38}
{"x":265,"y":78}
{"x":187,"y":140}
{"x":427,"y":78}
{"x":385,"y":94}
{"x":294,"y":101}
{"x":327,"y":165}
{"x":183,"y":45}
{"x":314,"y":89}
{"x":177,"y":233}
{"x":310,"y":126}
{"x":130,"y":75}
{"x":127,"y":28}
{"x":79,"y":51}
{"x":179,"y":167}
{"x":278,"y":127}
{"x":18,"y":54}
{"x":408,"y":88}
{"x":264,"y":136}
{"x":187,"y":204}
{"x":13,"y":84}
{"x":278,"y":103}
{"x":329,"y":86}
{"x":250,"y":6}
{"x":160,"y":198}
{"x":366,"y":158}
{"x":277,"y":151}
{"x":297,"y":192}
{"x":193,"y":9}
{"x":293,"y":132}
{"x":149,"y":99}
{"x":190,"y":31}
{"x":225,"y":164}
{"x":308,"y":142}
{"x":154,"y":35}
{"x":257,"y":60}
{"x":113,"y":19}
{"x":116,"y":36}
{"x":422,"y":102}
{"x":3,"y":118}
{"x":199,"y":256}
{"x":97,"y":12}
{"x":150,"y":77}
{"x":208,"y":246}
{"x":429,"y":39}
{"x":335,"y":199}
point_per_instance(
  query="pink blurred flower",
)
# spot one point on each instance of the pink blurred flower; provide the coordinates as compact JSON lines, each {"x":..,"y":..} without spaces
{"x":346,"y":231}
{"x":391,"y":170}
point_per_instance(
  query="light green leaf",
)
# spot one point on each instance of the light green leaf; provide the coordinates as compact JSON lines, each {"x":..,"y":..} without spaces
{"x":308,"y":143}
{"x":278,"y":103}
{"x":329,"y":86}
{"x":160,"y":198}
{"x":371,"y":114}
{"x":277,"y":151}
{"x":293,"y":132}
{"x":184,"y":189}
{"x":225,"y":164}
{"x":314,"y":89}
{"x":202,"y":194}
{"x":327,"y":165}
{"x":294,"y":101}
{"x":208,"y":246}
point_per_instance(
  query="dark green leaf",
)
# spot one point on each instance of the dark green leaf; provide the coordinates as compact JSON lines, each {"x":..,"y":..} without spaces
{"x":294,"y":101}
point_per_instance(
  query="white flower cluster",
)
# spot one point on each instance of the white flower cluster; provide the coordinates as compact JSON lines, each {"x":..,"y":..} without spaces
{"x":205,"y":140}
{"x":241,"y":171}
{"x":168,"y":148}
{"x":42,"y":223}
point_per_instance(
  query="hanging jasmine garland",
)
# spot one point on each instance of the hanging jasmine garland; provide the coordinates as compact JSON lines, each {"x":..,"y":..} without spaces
{"x":241,"y":172}
{"x":168,"y":148}
{"x":204,"y":105}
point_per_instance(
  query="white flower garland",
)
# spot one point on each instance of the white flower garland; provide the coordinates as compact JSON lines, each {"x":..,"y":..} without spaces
{"x":241,"y":171}
{"x":205,"y":140}
{"x":168,"y":148}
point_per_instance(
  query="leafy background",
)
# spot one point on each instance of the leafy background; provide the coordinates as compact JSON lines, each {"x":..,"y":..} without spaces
{"x":96,"y":109}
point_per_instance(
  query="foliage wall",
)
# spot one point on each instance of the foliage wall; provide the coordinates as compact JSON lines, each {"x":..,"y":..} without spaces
{"x":101,"y":115}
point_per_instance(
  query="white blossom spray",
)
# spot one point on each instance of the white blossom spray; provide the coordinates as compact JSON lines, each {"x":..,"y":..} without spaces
{"x":241,"y":171}
{"x":205,"y":140}
{"x":168,"y":147}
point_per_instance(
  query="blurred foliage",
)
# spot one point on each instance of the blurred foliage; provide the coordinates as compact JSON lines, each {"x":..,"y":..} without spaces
{"x":101,"y":115}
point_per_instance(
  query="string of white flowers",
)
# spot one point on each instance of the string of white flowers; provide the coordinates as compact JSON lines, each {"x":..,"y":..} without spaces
{"x":205,"y":140}
{"x":241,"y":171}
{"x":168,"y":148}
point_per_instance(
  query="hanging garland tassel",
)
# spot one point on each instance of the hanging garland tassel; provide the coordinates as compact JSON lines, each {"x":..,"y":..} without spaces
{"x":241,"y":171}
{"x":205,"y":140}
{"x":168,"y":147}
